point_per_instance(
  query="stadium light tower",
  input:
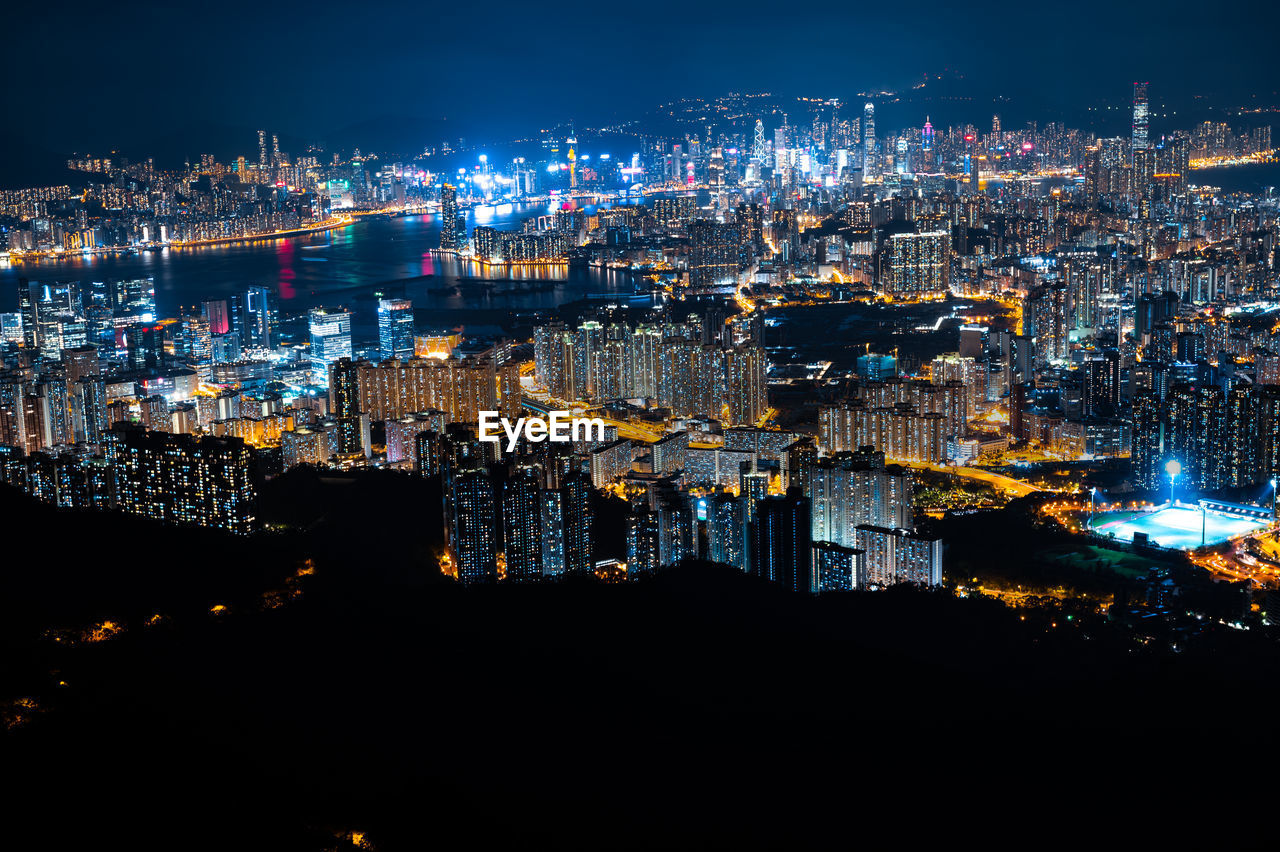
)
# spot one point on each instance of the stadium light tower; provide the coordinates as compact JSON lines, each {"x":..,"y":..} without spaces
{"x":1173,"y":467}
{"x":1093,"y":496}
{"x":1273,"y":499}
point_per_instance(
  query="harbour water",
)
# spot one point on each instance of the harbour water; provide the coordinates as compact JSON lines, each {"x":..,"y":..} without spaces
{"x":347,"y":266}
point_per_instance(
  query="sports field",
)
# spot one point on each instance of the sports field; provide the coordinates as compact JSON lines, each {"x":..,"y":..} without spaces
{"x":1176,"y":526}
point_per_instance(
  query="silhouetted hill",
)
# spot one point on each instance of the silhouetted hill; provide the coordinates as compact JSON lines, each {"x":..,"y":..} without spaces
{"x":700,"y":707}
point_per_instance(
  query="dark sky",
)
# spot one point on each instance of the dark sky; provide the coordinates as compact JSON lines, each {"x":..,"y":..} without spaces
{"x":148,"y":74}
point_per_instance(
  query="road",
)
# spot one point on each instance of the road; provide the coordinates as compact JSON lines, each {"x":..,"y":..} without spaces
{"x":1015,"y":487}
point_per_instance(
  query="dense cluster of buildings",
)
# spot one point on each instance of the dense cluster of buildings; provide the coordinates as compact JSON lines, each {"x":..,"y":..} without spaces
{"x":1135,"y":319}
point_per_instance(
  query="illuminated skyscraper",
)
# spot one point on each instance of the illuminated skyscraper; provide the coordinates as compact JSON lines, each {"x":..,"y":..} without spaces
{"x":448,"y":217}
{"x":522,"y":523}
{"x":869,"y":139}
{"x":1140,"y":117}
{"x":781,"y":549}
{"x":472,"y":529}
{"x":344,"y":406}
{"x":919,"y":264}
{"x":262,"y":151}
{"x":330,"y":340}
{"x":257,"y":318}
{"x":395,"y":328}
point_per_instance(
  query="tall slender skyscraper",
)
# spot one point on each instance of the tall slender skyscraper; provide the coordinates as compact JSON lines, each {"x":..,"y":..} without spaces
{"x":522,"y":523}
{"x":448,"y":217}
{"x":1140,"y":120}
{"x":395,"y":328}
{"x":869,"y":139}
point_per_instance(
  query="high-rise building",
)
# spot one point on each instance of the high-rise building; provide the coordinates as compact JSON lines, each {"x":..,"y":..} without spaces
{"x":522,"y":524}
{"x":178,"y":479}
{"x":351,"y":427}
{"x":448,"y":217}
{"x":257,"y":318}
{"x":897,"y":556}
{"x":781,"y":547}
{"x":852,"y":489}
{"x":473,"y":519}
{"x":1140,"y":118}
{"x":715,"y":252}
{"x":919,"y":264}
{"x":330,"y":340}
{"x":395,"y":328}
{"x":837,"y":568}
{"x":869,"y":139}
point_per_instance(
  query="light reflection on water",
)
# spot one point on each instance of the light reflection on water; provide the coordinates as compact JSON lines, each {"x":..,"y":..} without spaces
{"x":344,"y":266}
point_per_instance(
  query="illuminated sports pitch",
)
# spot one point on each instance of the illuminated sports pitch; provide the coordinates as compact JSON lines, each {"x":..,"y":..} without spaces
{"x":1176,"y":526}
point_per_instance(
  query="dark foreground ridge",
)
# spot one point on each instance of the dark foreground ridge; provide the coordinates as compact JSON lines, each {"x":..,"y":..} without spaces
{"x":698,"y":708}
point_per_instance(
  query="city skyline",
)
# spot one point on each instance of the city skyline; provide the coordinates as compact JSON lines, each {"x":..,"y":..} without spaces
{"x":630,"y":427}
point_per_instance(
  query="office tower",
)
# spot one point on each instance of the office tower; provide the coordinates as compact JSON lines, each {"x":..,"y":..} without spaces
{"x":448,"y":218}
{"x":473,"y":519}
{"x":759,"y":150}
{"x":522,"y":523}
{"x":145,"y":346}
{"x":395,"y":328}
{"x":1140,"y":118}
{"x":330,"y":340}
{"x":781,"y":547}
{"x":135,"y":298}
{"x":257,"y":318}
{"x":972,"y":171}
{"x":869,"y":139}
{"x":195,"y":328}
{"x":919,"y":264}
{"x":926,"y":138}
{"x":218,"y":316}
{"x":262,"y":152}
{"x":80,"y":361}
{"x":178,"y":479}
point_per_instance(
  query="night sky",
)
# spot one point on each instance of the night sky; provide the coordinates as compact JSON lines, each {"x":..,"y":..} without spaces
{"x":157,"y":78}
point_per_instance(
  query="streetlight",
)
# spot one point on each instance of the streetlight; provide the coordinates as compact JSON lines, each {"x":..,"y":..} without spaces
{"x":1173,"y":467}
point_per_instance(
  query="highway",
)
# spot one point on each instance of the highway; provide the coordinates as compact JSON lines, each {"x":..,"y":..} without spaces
{"x":1014,"y":487}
